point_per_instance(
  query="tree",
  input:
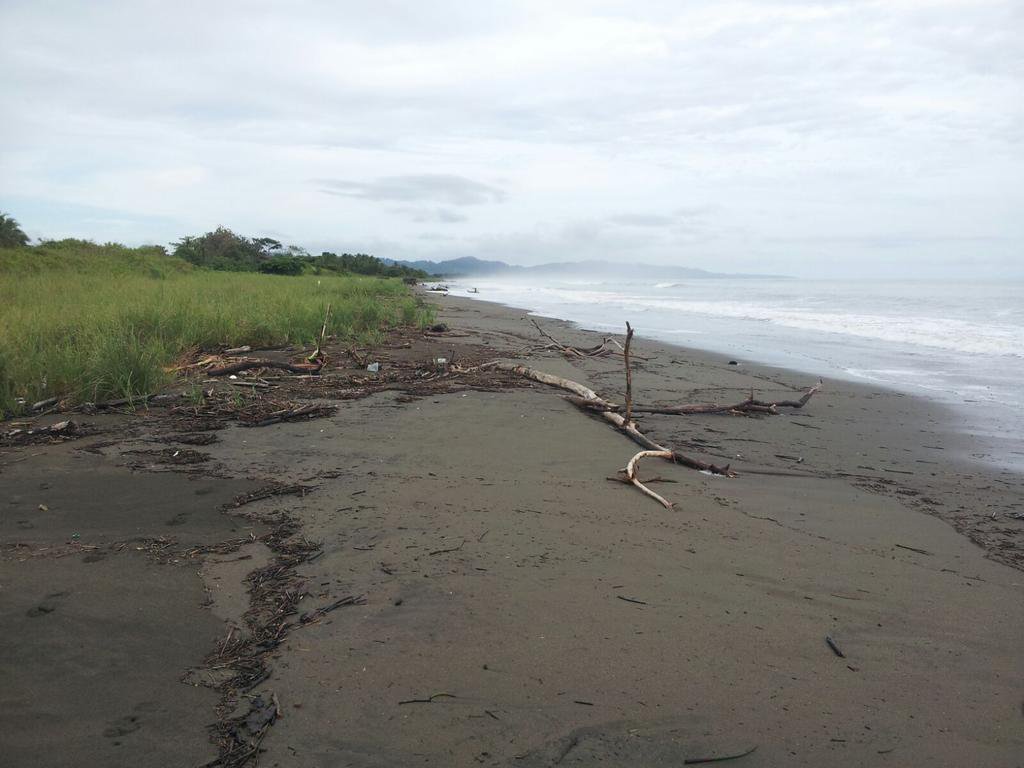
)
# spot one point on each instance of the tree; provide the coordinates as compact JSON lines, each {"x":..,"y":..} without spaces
{"x":11,"y":235}
{"x":267,"y":245}
{"x":220,"y":249}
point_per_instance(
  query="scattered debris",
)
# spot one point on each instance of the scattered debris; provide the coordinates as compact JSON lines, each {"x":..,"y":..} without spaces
{"x":267,"y":491}
{"x":312,"y":616}
{"x":54,"y":433}
{"x":452,"y":549}
{"x":252,"y":363}
{"x":305,"y":412}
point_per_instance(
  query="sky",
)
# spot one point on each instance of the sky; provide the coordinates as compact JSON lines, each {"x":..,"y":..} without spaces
{"x":819,"y":139}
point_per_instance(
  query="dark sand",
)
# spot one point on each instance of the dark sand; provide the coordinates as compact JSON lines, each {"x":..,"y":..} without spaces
{"x":570,"y":620}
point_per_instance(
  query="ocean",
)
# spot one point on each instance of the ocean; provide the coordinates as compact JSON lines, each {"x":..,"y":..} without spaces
{"x":958,"y":343}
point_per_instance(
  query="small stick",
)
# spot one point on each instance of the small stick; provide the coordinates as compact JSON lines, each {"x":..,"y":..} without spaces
{"x":430,"y":699}
{"x":452,"y":549}
{"x":631,"y":600}
{"x":914,"y":549}
{"x":699,"y":760}
{"x":629,"y":375}
{"x":323,"y":333}
{"x":834,"y":647}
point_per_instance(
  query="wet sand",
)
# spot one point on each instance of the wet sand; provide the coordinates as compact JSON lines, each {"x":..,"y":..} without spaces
{"x":521,"y":609}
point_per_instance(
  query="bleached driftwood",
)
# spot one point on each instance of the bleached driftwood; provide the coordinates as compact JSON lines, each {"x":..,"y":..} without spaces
{"x":608,"y":414}
{"x":750,"y":405}
{"x":631,"y":469}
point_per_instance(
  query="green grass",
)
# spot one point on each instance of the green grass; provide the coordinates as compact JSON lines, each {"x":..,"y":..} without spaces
{"x":94,"y":322}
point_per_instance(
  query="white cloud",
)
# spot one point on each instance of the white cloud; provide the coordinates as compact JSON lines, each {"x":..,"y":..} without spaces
{"x":805,"y":134}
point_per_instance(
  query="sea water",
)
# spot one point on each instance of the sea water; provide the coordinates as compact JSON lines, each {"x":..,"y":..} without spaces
{"x":959,"y":343}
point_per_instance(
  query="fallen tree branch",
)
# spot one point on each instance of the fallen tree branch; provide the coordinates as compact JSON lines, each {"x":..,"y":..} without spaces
{"x":750,"y":405}
{"x":598,"y":350}
{"x":250,"y":363}
{"x":314,"y":409}
{"x":616,"y":419}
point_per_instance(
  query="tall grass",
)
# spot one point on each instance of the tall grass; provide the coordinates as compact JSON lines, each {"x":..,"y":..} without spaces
{"x":111,"y":326}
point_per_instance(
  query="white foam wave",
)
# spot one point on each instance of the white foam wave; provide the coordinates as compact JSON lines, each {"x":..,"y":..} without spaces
{"x":948,"y":333}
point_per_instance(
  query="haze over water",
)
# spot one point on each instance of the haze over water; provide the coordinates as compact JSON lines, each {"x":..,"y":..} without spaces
{"x":959,"y":343}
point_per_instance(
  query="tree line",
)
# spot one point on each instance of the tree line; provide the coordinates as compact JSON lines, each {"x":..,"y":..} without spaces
{"x":225,"y":250}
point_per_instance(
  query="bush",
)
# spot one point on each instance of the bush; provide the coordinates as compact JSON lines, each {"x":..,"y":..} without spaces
{"x":281,"y":265}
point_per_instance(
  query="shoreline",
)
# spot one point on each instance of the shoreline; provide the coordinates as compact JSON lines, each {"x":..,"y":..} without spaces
{"x":990,"y":425}
{"x":516,"y":608}
{"x":950,"y":449}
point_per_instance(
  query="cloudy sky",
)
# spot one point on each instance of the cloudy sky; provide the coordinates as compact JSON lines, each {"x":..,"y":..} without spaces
{"x":814,"y":138}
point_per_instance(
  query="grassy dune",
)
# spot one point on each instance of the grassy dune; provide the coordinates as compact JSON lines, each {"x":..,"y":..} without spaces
{"x":96,"y":322}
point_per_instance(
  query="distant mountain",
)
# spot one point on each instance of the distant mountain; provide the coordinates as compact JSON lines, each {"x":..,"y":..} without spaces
{"x":470,"y":266}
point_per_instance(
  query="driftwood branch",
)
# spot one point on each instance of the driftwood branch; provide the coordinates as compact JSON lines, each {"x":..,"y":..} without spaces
{"x":621,"y":417}
{"x":607,"y":412}
{"x":289,"y":414}
{"x":250,"y":363}
{"x":631,"y":468}
{"x":598,"y":350}
{"x":750,"y":405}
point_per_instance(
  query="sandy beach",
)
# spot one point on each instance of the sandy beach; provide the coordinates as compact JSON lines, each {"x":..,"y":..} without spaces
{"x":441,"y":573}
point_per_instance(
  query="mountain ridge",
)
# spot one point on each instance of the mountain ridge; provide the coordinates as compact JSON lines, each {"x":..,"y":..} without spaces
{"x":470,"y":266}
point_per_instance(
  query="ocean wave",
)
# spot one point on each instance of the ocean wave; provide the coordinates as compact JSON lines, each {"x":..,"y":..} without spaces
{"x":947,"y":333}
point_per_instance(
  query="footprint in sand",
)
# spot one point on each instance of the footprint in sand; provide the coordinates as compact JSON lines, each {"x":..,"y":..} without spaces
{"x":49,"y":605}
{"x":122,"y":726}
{"x":179,"y":519}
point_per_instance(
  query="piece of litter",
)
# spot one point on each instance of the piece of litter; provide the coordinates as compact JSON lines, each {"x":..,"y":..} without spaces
{"x":373,"y":367}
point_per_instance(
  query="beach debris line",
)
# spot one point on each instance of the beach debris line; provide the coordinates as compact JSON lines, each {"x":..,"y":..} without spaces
{"x":313,"y":410}
{"x":62,"y":430}
{"x":247,"y":732}
{"x":250,"y":363}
